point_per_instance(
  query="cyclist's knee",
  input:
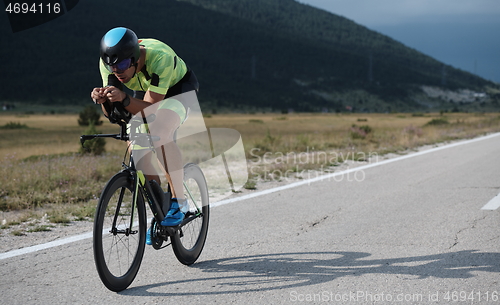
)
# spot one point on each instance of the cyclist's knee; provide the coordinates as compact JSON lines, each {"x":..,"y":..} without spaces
{"x":166,"y":123}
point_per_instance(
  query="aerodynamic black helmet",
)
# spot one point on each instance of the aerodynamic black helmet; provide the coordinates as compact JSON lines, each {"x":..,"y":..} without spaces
{"x":120,"y":44}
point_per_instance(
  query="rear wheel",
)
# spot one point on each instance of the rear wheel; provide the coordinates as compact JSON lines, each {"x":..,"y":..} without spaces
{"x":189,"y":240}
{"x":119,"y":233}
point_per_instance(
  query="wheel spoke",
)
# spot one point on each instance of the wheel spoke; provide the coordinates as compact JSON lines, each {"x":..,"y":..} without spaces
{"x":118,"y":237}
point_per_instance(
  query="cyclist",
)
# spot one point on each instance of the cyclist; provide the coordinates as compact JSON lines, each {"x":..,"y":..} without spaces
{"x":154,"y":72}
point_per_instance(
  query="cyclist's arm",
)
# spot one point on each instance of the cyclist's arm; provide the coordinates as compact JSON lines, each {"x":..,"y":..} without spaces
{"x":114,"y":95}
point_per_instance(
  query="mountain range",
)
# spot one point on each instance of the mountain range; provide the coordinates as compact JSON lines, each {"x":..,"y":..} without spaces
{"x":249,"y":55}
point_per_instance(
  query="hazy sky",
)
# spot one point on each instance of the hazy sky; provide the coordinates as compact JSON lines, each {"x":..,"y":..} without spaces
{"x":461,"y":33}
{"x":393,"y":12}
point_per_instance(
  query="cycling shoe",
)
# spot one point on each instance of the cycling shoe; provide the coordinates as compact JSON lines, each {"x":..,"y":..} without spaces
{"x":174,"y":216}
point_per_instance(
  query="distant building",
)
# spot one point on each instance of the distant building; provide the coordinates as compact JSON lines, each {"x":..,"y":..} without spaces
{"x":6,"y":107}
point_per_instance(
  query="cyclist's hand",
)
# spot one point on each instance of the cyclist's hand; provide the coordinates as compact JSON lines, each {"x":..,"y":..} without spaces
{"x":98,"y":95}
{"x":114,"y":94}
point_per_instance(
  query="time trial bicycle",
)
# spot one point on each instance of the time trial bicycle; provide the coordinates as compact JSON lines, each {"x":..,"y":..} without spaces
{"x":120,"y":224}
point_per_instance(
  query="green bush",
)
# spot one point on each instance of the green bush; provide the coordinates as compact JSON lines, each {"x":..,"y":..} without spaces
{"x":89,"y":115}
{"x":367,"y":129}
{"x":437,"y":122}
{"x":95,"y":146}
{"x":360,"y":132}
{"x":14,"y":125}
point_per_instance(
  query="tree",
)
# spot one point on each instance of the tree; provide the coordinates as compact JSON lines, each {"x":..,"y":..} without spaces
{"x":88,"y":116}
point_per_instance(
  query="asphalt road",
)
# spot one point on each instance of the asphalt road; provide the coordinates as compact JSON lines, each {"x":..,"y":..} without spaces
{"x":406,"y":232}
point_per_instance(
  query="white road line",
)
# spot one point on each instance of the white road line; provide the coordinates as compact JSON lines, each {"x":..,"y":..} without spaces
{"x":68,"y":240}
{"x":48,"y":245}
{"x":52,"y":244}
{"x":360,"y":168}
{"x":493,"y":204}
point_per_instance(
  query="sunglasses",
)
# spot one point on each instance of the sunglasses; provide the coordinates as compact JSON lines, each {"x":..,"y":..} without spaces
{"x":120,"y":67}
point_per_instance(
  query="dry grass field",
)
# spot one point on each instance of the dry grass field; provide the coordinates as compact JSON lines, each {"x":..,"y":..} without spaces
{"x":359,"y":132}
{"x":57,"y":134}
{"x":41,"y":171}
{"x":43,"y":135}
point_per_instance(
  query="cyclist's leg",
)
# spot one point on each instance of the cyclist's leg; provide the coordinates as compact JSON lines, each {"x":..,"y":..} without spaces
{"x":145,"y":162}
{"x":144,"y":157}
{"x":169,"y":156}
{"x":172,"y":114}
{"x":174,"y":157}
{"x":167,"y":151}
{"x":168,"y":159}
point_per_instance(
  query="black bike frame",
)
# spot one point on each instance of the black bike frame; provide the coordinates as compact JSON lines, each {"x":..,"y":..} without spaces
{"x":138,"y":178}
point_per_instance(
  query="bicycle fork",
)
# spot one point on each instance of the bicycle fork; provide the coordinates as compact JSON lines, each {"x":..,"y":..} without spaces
{"x":127,"y":231}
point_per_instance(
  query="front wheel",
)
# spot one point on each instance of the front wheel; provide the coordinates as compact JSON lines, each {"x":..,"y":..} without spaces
{"x":189,"y":240}
{"x":119,"y":233}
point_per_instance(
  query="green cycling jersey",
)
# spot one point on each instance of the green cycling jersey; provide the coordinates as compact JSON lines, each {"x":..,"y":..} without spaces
{"x":162,"y":69}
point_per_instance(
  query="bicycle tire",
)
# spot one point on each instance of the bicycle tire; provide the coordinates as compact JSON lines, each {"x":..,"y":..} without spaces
{"x":189,"y":240}
{"x":118,"y":246}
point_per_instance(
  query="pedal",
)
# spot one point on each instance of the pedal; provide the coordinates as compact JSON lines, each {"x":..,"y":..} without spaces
{"x":171,"y":230}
